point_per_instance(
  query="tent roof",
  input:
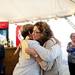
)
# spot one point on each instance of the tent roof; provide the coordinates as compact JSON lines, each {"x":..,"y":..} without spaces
{"x":27,"y":9}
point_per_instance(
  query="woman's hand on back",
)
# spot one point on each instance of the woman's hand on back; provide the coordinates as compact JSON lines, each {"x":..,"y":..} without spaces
{"x":31,"y":51}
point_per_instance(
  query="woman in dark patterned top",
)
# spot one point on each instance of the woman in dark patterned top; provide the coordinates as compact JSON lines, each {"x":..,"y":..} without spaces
{"x":71,"y":54}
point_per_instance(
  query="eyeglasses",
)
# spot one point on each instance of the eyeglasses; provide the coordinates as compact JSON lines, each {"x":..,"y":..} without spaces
{"x":34,"y":31}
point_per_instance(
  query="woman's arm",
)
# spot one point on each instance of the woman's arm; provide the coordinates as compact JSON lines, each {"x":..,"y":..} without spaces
{"x":46,"y":54}
{"x":44,"y":57}
{"x":43,"y":64}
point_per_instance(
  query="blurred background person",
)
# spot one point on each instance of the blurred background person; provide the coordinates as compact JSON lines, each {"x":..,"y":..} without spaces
{"x":71,"y":54}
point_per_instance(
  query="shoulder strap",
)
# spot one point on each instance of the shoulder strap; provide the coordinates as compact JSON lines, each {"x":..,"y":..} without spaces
{"x":51,"y":42}
{"x":24,"y":44}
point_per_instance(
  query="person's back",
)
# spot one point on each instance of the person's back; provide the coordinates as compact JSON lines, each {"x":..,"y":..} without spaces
{"x":26,"y":64}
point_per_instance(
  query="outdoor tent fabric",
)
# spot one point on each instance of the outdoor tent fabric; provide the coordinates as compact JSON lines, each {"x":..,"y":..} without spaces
{"x":73,"y":0}
{"x":13,"y":10}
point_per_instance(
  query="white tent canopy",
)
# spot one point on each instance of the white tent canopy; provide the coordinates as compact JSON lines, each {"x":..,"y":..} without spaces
{"x":16,"y":10}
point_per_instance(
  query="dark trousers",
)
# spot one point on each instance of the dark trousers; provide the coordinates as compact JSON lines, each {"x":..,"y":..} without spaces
{"x":71,"y":68}
{"x":2,"y":68}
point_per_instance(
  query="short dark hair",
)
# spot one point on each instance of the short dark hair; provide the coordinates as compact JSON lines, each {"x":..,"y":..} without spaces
{"x":28,"y":28}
